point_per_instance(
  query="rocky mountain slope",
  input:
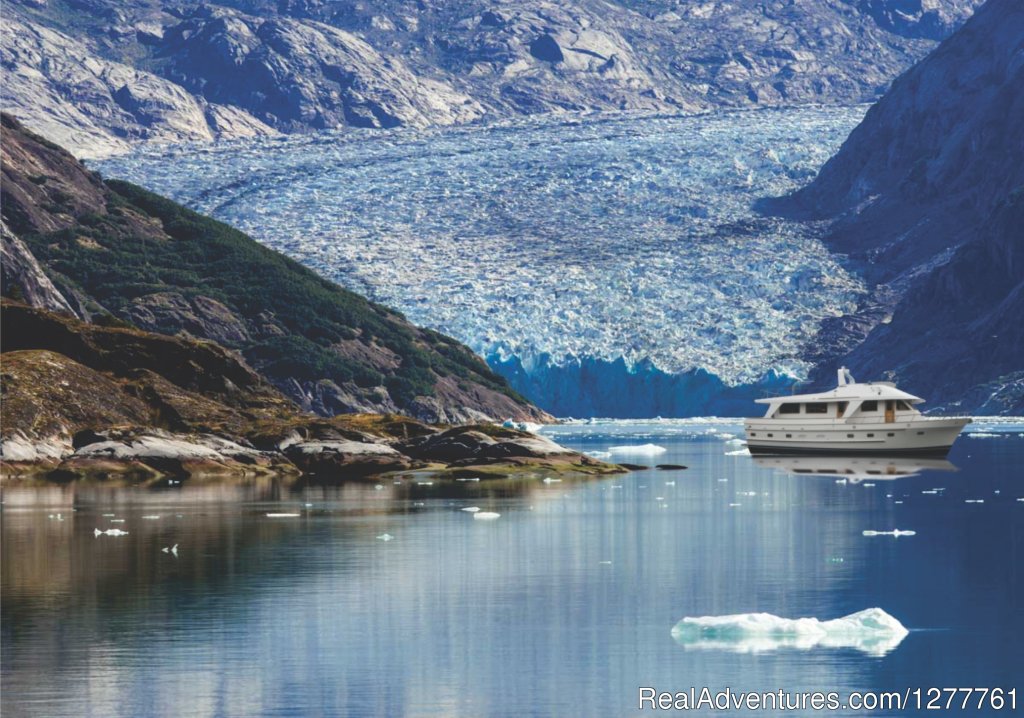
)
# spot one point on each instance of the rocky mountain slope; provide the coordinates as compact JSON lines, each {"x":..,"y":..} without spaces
{"x":97,"y":74}
{"x":116,"y":254}
{"x":925,"y":197}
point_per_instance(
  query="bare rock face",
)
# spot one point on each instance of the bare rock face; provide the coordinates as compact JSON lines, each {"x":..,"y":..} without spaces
{"x":296,"y":75}
{"x":94,"y":106}
{"x":22,"y":276}
{"x":172,"y":312}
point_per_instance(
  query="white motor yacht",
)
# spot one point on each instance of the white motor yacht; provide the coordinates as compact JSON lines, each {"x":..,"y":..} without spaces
{"x":870,"y":418}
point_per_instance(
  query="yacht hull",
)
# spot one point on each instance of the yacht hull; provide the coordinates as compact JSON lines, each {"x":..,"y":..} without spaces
{"x":919,"y":437}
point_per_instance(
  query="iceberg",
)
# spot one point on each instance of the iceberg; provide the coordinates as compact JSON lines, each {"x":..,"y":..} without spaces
{"x":871,"y":631}
{"x":638,"y":450}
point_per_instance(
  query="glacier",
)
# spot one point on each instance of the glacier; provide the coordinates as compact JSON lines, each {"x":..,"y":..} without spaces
{"x":607,"y":265}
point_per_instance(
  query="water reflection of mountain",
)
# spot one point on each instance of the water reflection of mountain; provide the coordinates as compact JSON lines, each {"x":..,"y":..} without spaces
{"x":854,"y":468}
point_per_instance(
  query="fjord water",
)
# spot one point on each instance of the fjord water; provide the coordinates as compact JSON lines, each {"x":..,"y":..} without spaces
{"x":562,"y":606}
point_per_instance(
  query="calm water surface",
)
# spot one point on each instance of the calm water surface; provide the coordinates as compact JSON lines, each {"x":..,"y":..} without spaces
{"x":563,"y":606}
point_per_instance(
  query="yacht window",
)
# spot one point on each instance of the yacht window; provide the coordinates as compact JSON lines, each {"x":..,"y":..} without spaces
{"x":789,"y":409}
{"x":869,"y":406}
{"x":818,"y":408}
{"x":840,"y":409}
{"x":902,"y":406}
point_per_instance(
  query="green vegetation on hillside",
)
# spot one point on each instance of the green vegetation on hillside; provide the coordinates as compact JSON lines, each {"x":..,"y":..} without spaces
{"x":113,"y":259}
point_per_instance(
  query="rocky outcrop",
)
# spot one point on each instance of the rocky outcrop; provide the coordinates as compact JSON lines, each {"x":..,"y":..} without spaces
{"x":119,"y":254}
{"x":97,"y":75}
{"x":924,"y":199}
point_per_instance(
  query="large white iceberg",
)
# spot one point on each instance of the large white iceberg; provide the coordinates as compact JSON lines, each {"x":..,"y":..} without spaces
{"x":872,"y":631}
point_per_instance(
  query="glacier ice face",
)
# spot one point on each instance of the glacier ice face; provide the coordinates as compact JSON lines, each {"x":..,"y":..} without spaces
{"x":626,"y":241}
{"x":871,"y":631}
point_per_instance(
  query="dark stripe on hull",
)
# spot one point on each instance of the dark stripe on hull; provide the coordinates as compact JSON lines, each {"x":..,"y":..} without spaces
{"x":930,"y":452}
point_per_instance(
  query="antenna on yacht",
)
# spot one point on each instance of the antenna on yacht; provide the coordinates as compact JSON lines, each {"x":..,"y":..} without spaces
{"x":845,"y":377}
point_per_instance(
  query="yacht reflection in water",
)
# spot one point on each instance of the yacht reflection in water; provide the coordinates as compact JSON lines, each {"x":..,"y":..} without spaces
{"x":855,"y":468}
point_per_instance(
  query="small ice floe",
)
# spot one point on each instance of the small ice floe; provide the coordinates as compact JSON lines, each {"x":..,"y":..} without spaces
{"x":385,"y":537}
{"x":1021,"y":499}
{"x":895,"y":533}
{"x":735,"y":442}
{"x":549,"y":480}
{"x":733,"y":505}
{"x":606,"y":563}
{"x":726,"y":436}
{"x":117,"y":521}
{"x":470,"y":509}
{"x":151,"y":517}
{"x":836,"y":559}
{"x":974,"y":501}
{"x":738,"y":452}
{"x":723,"y":481}
{"x":308,"y":505}
{"x":929,"y":492}
{"x":871,"y":631}
{"x":418,"y":503}
{"x":983,"y":435}
{"x":424,"y":483}
{"x":469,"y":478}
{"x":107,"y":516}
{"x":670,"y":483}
{"x":746,"y":493}
{"x":173,"y":550}
{"x":599,"y":454}
{"x":378,"y":487}
{"x":282,"y":515}
{"x":110,"y":532}
{"x":841,"y":482}
{"x":56,"y":517}
{"x":898,"y":502}
{"x":638,"y":449}
{"x":868,"y":485}
{"x":486,"y":515}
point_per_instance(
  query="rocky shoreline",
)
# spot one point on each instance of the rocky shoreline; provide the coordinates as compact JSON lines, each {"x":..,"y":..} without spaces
{"x":344,"y":448}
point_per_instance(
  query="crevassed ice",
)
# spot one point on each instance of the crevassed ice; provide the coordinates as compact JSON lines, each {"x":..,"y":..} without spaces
{"x":627,"y":237}
{"x":872,"y":631}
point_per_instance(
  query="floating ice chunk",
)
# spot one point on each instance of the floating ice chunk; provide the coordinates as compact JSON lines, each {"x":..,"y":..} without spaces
{"x":522,"y":426}
{"x":470,"y":478}
{"x":841,"y":482}
{"x":549,"y":480}
{"x":107,"y":516}
{"x":172,"y":550}
{"x":599,"y":454}
{"x":723,"y":481}
{"x":867,"y":484}
{"x":930,"y":492}
{"x":151,"y":517}
{"x":424,"y":483}
{"x":974,"y":501}
{"x":895,"y":533}
{"x":606,"y":563}
{"x":110,"y":532}
{"x":486,"y":515}
{"x":117,"y":521}
{"x":872,"y":631}
{"x":738,"y":452}
{"x":733,"y":505}
{"x":56,"y":517}
{"x":385,"y":537}
{"x":470,"y":509}
{"x":735,"y":442}
{"x":638,"y":449}
{"x":984,"y":435}
{"x":281,"y":516}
